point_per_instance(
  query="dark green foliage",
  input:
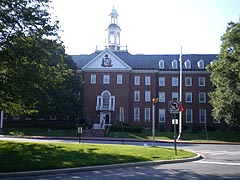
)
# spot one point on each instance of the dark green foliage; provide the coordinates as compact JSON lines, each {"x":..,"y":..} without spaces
{"x":225,"y":76}
{"x":31,"y":56}
{"x":126,"y":128}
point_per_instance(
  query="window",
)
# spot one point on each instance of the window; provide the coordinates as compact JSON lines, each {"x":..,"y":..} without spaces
{"x":201,"y":81}
{"x":174,"y":64}
{"x":161,"y":81}
{"x":201,"y":64}
{"x":187,"y":64}
{"x":202,"y":97}
{"x":188,"y":81}
{"x":162,"y":115}
{"x":93,"y":78}
{"x":119,"y":79}
{"x":106,"y":79}
{"x":161,"y":64}
{"x":175,"y":95}
{"x":202,"y":115}
{"x":161,"y":97}
{"x":137,"y":80}
{"x":174,"y":81}
{"x":188,"y":97}
{"x":147,"y":80}
{"x":105,"y":101}
{"x":136,"y":114}
{"x":188,"y":115}
{"x":147,"y":114}
{"x":147,"y":96}
{"x":136,"y":95}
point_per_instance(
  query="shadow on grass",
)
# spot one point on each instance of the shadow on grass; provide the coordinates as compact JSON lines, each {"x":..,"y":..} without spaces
{"x":27,"y":156}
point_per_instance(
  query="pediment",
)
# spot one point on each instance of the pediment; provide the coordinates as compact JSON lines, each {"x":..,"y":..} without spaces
{"x":106,"y":60}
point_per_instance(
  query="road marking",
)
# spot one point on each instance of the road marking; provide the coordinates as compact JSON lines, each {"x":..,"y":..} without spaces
{"x":220,"y":163}
{"x":215,"y":153}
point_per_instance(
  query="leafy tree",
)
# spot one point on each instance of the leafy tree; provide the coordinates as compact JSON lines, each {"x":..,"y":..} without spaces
{"x":31,"y":55}
{"x":64,"y":102}
{"x":225,"y":76}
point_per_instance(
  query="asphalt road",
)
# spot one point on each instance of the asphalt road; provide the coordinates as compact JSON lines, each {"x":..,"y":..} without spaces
{"x":220,"y":162}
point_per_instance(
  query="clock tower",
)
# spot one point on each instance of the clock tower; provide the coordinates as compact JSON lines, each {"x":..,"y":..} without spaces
{"x":113,"y":30}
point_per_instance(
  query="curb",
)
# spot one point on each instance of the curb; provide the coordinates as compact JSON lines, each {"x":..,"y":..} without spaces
{"x":95,"y":168}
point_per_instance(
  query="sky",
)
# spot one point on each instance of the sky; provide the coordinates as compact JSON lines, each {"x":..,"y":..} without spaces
{"x":148,"y":26}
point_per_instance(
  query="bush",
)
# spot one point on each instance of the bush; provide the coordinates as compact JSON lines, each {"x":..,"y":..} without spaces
{"x":40,"y":124}
{"x":126,"y":128}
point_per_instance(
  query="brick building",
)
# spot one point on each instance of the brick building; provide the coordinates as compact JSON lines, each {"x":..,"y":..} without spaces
{"x":120,"y":86}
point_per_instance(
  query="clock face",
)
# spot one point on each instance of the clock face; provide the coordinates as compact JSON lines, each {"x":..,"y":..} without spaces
{"x":106,"y":61}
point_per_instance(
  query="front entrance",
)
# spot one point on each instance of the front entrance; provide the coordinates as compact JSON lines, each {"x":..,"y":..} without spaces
{"x":105,"y":119}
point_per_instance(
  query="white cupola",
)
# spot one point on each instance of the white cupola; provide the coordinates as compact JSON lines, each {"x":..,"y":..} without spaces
{"x":113,"y":40}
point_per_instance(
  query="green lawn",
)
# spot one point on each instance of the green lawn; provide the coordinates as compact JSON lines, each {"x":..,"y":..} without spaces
{"x":16,"y":156}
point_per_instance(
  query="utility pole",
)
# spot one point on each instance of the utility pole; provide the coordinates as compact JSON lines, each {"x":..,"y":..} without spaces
{"x":180,"y":94}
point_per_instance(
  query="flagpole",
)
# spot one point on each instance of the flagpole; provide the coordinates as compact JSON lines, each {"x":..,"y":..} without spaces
{"x":180,"y":95}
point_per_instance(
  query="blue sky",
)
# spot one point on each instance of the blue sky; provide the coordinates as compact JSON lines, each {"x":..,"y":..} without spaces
{"x":148,"y":26}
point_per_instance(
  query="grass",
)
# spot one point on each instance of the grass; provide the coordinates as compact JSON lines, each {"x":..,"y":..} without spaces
{"x":19,"y":156}
{"x":195,"y":137}
{"x":146,"y":134}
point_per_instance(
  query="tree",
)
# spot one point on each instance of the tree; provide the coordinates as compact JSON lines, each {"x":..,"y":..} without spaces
{"x":31,"y":55}
{"x":65,"y":101}
{"x":225,"y":76}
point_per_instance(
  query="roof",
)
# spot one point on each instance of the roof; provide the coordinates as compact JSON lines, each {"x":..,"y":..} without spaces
{"x":150,"y":62}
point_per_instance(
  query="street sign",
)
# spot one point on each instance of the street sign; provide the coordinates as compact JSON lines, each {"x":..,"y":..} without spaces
{"x":174,"y":121}
{"x":174,"y":106}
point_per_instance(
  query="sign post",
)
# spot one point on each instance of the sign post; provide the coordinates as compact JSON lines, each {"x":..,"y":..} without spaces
{"x":174,"y":109}
{"x":80,"y":133}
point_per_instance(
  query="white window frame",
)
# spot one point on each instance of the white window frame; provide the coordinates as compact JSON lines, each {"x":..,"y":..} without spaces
{"x":119,"y":79}
{"x":201,"y":81}
{"x":187,"y":64}
{"x":147,"y":80}
{"x":136,"y":114}
{"x":188,"y":94}
{"x":174,"y":64}
{"x":162,"y":115}
{"x":202,"y":97}
{"x":137,"y":80}
{"x":93,"y":79}
{"x":137,"y":96}
{"x":188,"y":81}
{"x":189,"y":114}
{"x":106,"y":79}
{"x":161,"y":97}
{"x":174,"y":81}
{"x":147,"y":112}
{"x":204,"y":115}
{"x":147,"y":96}
{"x":161,"y":81}
{"x":161,"y":64}
{"x":200,"y":64}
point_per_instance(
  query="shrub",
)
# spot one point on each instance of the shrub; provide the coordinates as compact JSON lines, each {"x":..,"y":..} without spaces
{"x":126,"y":128}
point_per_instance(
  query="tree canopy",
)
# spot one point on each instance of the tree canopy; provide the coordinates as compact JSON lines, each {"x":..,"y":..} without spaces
{"x":225,"y":76}
{"x":31,"y":55}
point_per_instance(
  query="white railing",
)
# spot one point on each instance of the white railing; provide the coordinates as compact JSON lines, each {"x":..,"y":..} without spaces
{"x":105,"y":108}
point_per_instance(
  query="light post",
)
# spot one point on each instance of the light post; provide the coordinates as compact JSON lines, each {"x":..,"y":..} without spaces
{"x":154,"y":100}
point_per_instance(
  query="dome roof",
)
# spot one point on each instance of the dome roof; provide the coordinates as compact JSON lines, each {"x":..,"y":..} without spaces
{"x":114,"y":12}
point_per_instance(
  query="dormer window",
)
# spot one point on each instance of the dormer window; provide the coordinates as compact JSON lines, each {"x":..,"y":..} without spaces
{"x":187,"y":64}
{"x":200,"y":64}
{"x":161,"y":64}
{"x":174,"y":64}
